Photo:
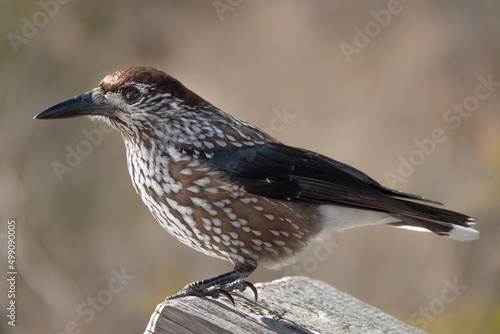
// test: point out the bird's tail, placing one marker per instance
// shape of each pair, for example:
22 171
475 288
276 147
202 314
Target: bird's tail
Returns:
424 217
404 214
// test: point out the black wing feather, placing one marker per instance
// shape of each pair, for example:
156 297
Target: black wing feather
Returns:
285 172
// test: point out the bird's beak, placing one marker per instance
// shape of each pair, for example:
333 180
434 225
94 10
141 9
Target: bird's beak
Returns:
80 105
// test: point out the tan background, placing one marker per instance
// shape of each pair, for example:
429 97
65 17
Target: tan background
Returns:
261 56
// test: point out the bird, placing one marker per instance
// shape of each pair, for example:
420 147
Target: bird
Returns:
230 190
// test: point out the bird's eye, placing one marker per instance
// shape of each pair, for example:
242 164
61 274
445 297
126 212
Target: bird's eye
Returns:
131 94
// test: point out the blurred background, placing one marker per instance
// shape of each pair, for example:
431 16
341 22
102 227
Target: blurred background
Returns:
368 83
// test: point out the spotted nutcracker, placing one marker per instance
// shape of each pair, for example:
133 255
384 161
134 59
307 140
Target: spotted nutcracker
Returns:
228 189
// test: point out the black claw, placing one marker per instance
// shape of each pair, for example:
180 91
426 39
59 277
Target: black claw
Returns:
227 294
252 287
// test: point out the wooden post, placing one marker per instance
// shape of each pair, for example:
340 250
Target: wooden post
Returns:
289 305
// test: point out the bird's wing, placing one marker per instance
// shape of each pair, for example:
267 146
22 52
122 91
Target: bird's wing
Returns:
293 174
288 173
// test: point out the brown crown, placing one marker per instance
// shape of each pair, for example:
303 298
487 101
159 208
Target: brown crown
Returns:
159 80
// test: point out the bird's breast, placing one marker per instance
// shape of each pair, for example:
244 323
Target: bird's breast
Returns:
197 205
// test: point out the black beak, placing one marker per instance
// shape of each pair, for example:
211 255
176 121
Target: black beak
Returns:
79 105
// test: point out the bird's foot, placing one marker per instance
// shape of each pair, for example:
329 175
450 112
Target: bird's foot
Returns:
214 288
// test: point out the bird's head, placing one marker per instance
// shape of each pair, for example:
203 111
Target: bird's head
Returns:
152 109
135 100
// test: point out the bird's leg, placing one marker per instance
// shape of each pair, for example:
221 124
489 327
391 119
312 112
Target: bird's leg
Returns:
215 286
